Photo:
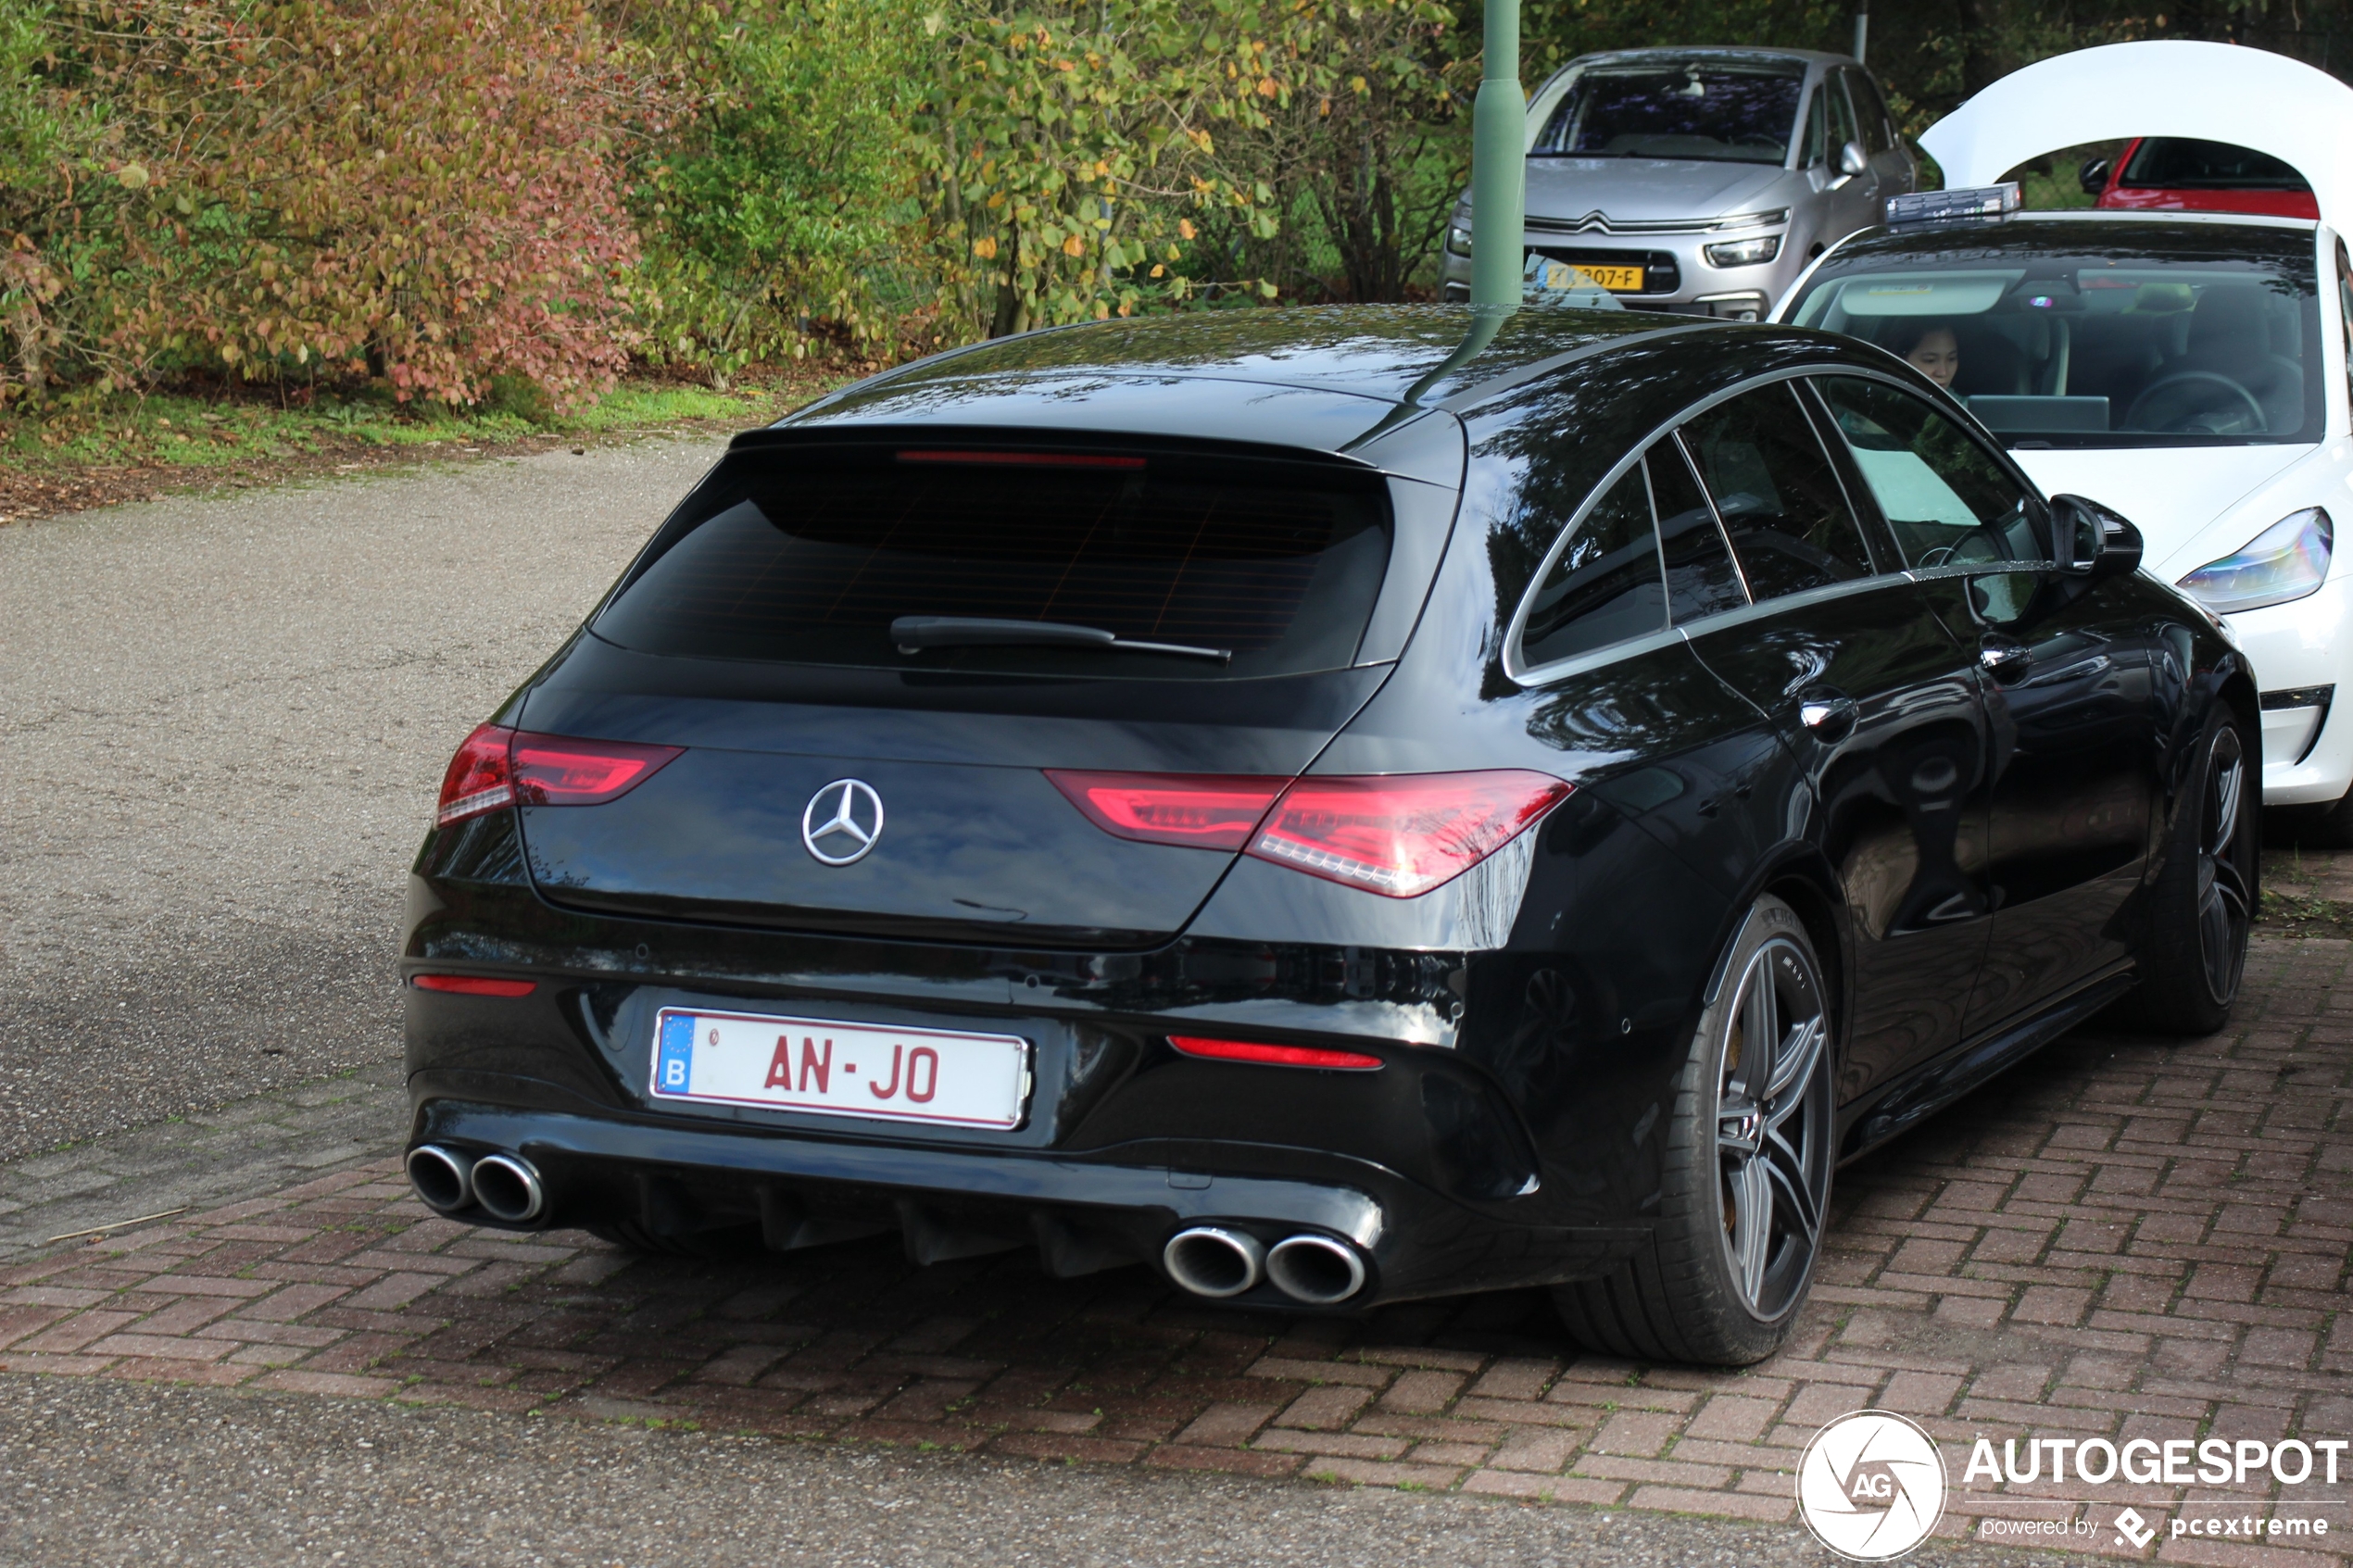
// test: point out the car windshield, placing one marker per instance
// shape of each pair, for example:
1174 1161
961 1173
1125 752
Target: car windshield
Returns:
2165 348
2176 163
1702 109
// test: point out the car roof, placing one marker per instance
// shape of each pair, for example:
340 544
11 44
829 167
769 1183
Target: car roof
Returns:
1322 378
1710 51
2150 233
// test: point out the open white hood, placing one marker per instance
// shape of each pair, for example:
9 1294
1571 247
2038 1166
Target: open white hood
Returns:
2210 92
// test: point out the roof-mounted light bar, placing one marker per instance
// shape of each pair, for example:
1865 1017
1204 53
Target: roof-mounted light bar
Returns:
1972 201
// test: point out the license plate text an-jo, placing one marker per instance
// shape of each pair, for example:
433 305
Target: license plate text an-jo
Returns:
831 1068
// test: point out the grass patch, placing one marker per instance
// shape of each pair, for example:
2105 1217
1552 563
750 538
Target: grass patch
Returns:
84 450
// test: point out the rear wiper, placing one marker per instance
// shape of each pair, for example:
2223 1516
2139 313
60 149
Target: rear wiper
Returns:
915 632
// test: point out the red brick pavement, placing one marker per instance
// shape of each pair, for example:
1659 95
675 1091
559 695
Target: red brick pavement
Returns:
2125 1238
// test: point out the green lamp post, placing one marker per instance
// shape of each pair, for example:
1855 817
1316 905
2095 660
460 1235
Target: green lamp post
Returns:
1499 163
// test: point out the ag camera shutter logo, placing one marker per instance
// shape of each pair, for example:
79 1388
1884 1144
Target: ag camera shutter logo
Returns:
1872 1486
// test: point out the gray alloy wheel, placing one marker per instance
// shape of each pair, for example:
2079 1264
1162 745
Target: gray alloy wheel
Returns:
1773 1139
1745 1169
2201 904
2223 901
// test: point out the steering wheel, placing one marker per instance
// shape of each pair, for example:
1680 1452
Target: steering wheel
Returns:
1936 557
2200 407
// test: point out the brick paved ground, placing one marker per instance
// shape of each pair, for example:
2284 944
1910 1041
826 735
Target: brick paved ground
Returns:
2127 1237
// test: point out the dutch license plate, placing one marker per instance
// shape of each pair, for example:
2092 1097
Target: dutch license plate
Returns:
834 1068
1617 280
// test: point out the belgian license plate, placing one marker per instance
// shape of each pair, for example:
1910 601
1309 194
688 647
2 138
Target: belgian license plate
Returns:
1617 280
830 1068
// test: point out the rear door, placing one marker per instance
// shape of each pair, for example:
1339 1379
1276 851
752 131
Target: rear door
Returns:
1875 699
835 779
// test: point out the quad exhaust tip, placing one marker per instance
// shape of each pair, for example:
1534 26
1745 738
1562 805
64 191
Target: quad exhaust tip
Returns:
1215 1262
1316 1268
508 1188
443 1178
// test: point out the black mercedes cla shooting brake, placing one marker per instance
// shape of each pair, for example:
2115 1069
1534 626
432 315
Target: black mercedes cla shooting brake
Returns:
1332 806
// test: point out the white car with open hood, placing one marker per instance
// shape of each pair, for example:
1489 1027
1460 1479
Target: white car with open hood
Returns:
2188 369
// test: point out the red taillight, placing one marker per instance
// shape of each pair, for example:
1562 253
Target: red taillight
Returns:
476 985
1273 1056
1202 811
1402 834
555 771
478 779
501 767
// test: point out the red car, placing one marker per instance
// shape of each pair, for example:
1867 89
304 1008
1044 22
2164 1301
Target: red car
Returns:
2177 174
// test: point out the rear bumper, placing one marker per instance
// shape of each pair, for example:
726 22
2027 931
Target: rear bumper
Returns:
681 1180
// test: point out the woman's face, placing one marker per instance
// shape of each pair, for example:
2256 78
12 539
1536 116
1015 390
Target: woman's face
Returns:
1937 357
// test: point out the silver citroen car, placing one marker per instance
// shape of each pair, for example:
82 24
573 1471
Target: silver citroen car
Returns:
1699 180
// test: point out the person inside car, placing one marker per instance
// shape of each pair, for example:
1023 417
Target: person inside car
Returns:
1930 346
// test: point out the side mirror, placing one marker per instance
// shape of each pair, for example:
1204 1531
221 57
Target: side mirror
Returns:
2093 176
2090 540
1852 160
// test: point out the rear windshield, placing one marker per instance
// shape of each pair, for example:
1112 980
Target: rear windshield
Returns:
2119 349
809 558
1709 111
2177 163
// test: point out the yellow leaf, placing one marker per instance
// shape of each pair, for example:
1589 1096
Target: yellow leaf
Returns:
134 176
984 247
1075 246
1266 88
1157 269
1185 228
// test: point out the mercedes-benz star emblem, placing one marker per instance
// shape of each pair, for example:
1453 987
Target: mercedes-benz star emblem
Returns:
842 820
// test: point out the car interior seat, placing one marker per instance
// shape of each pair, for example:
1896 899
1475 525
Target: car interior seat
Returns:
1991 363
2230 335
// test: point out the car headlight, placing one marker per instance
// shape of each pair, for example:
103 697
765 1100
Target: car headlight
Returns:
2285 562
1743 252
1457 240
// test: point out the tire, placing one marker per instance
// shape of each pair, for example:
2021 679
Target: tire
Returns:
1746 1170
2201 907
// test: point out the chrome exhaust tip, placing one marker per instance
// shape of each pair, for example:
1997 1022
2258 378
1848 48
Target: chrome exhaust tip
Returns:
443 1178
508 1188
1316 1268
1213 1262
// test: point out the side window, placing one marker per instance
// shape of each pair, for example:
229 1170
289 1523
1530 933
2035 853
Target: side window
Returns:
1879 133
1812 153
1605 585
1944 497
1777 493
2344 310
1700 576
1843 127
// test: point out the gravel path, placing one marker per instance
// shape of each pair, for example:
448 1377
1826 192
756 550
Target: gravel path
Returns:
225 722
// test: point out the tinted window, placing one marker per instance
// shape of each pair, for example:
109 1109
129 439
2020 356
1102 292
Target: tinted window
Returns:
1777 493
1843 127
807 559
1879 136
1605 587
1811 153
1700 577
1692 109
2187 342
2177 163
1944 497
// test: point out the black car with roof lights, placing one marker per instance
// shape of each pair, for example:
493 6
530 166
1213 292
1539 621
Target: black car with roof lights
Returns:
1334 807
